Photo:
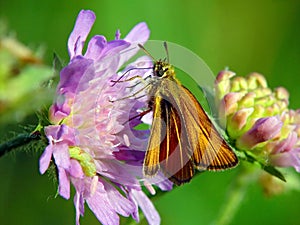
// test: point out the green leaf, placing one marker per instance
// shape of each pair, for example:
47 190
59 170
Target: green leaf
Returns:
273 171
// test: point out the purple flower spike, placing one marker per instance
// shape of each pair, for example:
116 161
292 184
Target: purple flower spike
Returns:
92 141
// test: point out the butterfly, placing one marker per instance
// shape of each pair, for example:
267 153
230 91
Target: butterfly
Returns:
183 139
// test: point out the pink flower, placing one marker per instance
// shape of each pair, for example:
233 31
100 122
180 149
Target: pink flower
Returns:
92 141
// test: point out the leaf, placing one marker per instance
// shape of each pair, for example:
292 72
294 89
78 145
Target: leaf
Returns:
273 171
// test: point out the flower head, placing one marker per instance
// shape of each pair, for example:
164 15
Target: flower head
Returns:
92 140
258 118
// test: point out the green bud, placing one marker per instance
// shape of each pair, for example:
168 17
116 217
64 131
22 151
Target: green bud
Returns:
238 84
231 102
262 92
258 112
265 101
236 124
256 80
281 93
248 100
222 83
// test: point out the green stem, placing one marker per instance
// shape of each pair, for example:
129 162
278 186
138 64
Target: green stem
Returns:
235 196
18 141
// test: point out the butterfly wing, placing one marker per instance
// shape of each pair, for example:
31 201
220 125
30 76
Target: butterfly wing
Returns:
151 161
210 151
183 137
175 153
166 148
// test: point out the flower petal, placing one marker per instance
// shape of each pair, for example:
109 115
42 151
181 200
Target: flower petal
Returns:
75 75
139 34
119 173
46 158
287 159
147 207
264 129
59 110
118 202
286 144
75 169
165 185
79 205
95 47
61 155
83 25
99 203
64 183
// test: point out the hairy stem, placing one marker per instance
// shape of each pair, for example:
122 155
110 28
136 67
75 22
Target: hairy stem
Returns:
20 140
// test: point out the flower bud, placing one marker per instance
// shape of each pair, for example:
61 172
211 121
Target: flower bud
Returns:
256 80
222 83
238 84
238 121
264 129
258 119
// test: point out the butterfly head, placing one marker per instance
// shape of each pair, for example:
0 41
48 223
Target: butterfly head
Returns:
163 69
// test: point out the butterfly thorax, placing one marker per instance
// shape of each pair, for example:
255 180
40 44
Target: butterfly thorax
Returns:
163 69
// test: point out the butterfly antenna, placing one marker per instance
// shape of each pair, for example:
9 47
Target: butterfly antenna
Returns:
167 51
148 53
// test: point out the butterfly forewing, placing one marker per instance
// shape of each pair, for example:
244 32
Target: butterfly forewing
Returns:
151 161
211 152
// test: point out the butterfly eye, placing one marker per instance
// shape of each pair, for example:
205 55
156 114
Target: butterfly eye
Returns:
161 72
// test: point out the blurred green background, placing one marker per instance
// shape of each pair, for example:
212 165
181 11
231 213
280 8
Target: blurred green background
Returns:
246 36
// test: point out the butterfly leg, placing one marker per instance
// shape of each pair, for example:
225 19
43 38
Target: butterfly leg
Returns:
142 80
119 79
132 95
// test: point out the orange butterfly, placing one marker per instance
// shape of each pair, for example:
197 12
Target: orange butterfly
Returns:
182 137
